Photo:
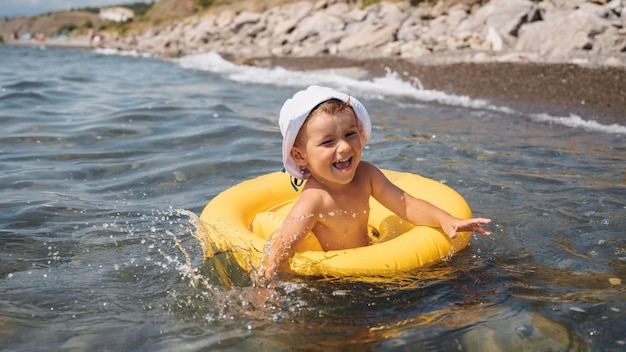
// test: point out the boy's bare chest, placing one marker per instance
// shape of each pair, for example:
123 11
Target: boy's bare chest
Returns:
351 203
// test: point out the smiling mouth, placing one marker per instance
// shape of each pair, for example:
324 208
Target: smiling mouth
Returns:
343 164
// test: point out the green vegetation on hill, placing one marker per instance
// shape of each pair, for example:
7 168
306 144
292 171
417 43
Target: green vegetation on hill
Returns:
140 8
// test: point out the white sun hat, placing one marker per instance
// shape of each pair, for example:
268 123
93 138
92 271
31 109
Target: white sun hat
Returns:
296 110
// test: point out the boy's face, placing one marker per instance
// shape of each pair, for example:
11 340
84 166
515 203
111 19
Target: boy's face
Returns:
329 146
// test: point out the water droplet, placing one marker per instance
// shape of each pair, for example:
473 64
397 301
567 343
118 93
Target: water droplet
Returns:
576 309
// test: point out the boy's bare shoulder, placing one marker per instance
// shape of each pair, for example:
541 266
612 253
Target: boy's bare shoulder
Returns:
369 170
312 196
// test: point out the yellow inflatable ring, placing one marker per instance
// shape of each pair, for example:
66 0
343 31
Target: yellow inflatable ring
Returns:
241 218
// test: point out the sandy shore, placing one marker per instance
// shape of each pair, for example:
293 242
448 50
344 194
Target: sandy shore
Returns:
560 89
72 43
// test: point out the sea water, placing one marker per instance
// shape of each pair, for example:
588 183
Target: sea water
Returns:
103 157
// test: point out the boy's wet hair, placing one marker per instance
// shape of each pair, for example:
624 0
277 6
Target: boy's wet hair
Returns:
331 107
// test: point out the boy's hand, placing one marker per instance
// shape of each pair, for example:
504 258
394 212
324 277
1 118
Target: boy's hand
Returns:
261 278
460 225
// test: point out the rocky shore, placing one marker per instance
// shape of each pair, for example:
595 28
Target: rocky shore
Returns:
581 31
562 57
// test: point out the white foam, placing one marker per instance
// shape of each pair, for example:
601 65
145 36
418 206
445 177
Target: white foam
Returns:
389 85
373 88
110 51
576 121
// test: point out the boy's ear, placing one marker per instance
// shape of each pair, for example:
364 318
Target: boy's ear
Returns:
298 156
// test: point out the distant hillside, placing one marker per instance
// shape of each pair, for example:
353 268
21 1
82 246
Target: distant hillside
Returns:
65 21
148 15
166 10
48 24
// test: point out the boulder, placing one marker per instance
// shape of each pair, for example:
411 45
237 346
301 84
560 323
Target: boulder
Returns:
564 33
413 50
288 16
245 18
371 36
504 16
410 28
225 18
609 42
390 14
314 25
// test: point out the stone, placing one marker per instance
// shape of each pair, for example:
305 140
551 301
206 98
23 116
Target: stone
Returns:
409 29
288 16
510 15
225 18
314 25
243 19
354 15
563 34
392 49
370 36
609 42
456 15
390 14
613 61
494 39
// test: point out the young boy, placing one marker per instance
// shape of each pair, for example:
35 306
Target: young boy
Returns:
324 132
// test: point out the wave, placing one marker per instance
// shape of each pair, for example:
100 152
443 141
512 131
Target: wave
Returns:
576 121
110 51
391 85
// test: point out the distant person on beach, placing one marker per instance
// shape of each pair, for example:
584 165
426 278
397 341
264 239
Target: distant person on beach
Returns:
95 39
324 132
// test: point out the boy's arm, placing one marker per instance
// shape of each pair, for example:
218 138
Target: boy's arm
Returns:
279 247
418 211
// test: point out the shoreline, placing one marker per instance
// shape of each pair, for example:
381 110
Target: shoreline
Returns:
563 58
559 89
593 92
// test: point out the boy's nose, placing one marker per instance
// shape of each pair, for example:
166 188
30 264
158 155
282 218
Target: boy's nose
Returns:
343 146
